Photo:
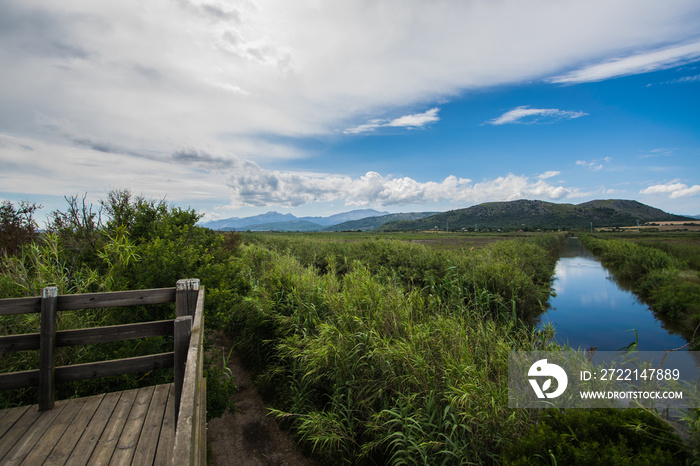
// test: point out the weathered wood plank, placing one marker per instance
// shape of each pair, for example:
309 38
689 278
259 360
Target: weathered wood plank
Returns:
167 432
87 336
64 447
19 379
104 449
126 446
93 370
13 435
90 370
148 440
85 447
187 291
182 336
10 417
47 348
31 436
48 440
14 306
186 444
116 299
203 423
24 342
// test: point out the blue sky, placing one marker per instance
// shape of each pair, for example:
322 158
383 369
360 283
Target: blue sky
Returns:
236 108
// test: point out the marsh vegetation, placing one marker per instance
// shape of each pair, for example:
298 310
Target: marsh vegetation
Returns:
369 348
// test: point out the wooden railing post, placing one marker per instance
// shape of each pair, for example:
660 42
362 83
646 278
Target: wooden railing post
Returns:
47 348
183 331
186 296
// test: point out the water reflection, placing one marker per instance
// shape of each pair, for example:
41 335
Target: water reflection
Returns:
591 309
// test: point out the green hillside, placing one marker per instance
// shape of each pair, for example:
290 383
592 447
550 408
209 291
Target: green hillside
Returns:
526 214
372 223
293 225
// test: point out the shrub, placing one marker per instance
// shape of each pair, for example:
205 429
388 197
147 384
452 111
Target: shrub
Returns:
17 226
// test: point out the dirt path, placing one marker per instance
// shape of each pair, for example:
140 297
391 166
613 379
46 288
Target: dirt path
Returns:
249 437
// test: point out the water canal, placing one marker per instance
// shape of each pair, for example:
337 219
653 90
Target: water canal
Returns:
592 309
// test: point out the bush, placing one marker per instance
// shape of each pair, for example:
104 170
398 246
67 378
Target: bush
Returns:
17 226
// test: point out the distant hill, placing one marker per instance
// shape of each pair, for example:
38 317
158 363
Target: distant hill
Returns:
292 225
372 223
288 222
344 217
235 223
539 215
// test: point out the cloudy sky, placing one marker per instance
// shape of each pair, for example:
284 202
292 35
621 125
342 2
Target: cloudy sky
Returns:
238 107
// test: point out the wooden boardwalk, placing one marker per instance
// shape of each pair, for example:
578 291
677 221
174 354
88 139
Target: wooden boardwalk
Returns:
163 424
131 427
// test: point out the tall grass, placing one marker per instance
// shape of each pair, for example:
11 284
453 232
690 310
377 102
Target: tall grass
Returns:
382 351
41 264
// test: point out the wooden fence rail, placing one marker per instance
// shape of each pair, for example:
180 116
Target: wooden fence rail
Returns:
186 357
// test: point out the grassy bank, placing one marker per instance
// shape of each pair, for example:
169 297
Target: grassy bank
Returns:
663 270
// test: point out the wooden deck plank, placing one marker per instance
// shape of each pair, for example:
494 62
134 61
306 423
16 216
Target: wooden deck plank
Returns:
10 417
126 446
166 440
90 438
148 441
61 452
23 446
48 440
104 449
13 435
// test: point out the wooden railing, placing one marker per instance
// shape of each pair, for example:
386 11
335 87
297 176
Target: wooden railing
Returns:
186 357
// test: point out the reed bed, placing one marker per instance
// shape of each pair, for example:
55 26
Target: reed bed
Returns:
382 351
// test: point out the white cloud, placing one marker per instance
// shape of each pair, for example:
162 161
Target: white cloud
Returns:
660 152
595 165
35 167
162 75
118 91
548 174
643 62
252 185
525 114
674 189
417 120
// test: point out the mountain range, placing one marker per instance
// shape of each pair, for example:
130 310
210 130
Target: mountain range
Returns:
527 214
520 214
289 222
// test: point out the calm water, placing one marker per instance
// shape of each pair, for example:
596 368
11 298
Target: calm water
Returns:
591 309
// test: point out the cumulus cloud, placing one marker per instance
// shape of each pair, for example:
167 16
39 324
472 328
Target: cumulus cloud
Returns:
252 185
674 189
525 114
416 120
643 62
